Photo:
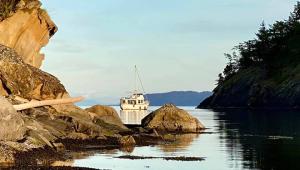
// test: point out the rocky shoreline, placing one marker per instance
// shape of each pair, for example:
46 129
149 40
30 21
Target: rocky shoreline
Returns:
49 157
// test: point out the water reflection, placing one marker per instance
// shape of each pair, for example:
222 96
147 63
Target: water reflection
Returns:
179 142
133 117
240 140
265 139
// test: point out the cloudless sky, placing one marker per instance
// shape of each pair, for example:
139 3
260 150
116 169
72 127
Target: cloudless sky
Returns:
176 44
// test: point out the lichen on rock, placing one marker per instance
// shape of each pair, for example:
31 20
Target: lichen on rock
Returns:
24 80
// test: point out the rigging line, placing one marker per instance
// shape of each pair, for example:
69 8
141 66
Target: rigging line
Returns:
138 75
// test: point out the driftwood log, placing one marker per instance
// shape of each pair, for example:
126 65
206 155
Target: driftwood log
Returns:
33 104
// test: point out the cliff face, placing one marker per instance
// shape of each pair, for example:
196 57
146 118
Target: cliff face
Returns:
27 29
252 89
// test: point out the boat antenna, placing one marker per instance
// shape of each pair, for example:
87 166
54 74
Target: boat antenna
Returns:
138 76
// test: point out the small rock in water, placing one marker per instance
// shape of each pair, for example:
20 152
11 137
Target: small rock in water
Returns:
127 141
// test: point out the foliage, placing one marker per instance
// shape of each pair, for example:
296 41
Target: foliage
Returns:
6 7
273 49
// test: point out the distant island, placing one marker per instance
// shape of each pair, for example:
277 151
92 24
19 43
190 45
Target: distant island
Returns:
179 98
263 72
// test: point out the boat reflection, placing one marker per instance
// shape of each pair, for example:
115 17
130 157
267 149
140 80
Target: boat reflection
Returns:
133 117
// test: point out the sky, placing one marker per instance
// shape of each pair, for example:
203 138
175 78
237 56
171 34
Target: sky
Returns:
176 44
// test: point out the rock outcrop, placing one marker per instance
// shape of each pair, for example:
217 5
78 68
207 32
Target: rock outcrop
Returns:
27 29
169 118
106 113
24 80
250 88
20 131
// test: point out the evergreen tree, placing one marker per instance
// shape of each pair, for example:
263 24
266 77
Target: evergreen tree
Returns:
273 48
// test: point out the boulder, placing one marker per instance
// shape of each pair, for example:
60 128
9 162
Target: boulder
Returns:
16 127
11 123
169 118
126 141
107 114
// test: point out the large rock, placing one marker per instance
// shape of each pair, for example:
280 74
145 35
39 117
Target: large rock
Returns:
27 29
24 80
11 123
16 127
169 118
108 114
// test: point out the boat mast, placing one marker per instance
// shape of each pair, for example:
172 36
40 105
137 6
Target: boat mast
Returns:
138 78
135 80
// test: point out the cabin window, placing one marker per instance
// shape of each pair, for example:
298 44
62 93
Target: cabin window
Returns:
131 102
124 101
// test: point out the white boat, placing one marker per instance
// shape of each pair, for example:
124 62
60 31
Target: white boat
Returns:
136 101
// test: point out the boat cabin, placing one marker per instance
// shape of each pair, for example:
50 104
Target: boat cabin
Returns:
134 102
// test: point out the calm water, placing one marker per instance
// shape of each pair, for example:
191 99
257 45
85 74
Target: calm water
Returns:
240 140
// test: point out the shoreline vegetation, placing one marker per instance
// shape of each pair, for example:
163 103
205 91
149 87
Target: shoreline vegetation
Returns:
262 72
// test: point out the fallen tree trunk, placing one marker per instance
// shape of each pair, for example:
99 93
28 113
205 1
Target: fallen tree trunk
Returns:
33 104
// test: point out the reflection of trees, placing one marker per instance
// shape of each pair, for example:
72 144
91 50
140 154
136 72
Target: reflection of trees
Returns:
177 142
252 135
